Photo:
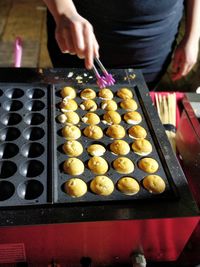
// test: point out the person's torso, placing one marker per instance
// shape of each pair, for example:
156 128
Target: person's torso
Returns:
137 11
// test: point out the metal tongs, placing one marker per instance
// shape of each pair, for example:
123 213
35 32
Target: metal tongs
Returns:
106 79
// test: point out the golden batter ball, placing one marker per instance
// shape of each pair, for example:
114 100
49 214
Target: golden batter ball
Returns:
73 166
96 150
88 105
68 92
142 147
154 184
106 94
123 165
120 147
71 117
128 186
129 104
72 148
88 94
102 185
68 104
109 105
61 118
93 132
137 132
125 93
71 132
91 118
133 117
116 131
111 117
75 187
148 165
98 165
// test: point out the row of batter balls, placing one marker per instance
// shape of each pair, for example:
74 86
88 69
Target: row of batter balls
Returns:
104 186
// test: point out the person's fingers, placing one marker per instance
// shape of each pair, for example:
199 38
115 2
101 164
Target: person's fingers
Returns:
64 40
89 52
187 68
69 41
61 41
182 70
78 39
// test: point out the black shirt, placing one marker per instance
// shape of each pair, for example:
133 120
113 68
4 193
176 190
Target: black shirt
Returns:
134 33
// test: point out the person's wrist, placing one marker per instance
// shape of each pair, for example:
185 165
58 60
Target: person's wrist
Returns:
192 37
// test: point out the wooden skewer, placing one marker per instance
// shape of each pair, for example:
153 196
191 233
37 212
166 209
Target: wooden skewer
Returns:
166 107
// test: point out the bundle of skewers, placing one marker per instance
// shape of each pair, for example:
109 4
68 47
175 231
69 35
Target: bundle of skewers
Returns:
166 108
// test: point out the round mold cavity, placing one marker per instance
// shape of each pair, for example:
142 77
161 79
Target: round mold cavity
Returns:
8 150
1 92
12 105
35 93
11 119
31 189
31 168
34 119
9 134
14 93
7 169
33 133
32 150
7 189
34 105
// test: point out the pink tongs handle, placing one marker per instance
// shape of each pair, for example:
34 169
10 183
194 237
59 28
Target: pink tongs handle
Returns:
18 52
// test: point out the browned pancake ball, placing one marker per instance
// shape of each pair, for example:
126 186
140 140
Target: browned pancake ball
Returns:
123 165
96 150
88 105
71 117
71 132
137 132
111 117
128 186
133 117
75 187
93 132
116 131
102 185
72 148
61 118
125 93
129 104
148 165
91 118
73 166
142 147
120 147
88 94
154 184
98 165
109 105
106 94
68 104
68 92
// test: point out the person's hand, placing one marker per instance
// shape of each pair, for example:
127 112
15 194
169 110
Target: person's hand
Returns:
184 58
75 35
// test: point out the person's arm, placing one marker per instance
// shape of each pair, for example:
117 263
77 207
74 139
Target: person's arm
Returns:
186 53
74 34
